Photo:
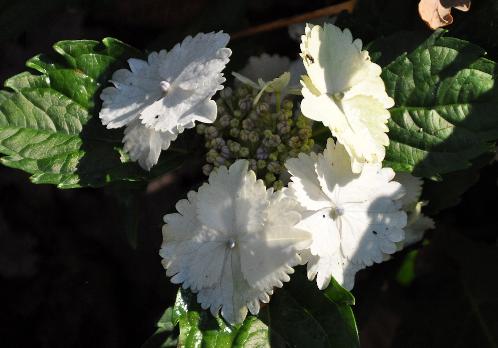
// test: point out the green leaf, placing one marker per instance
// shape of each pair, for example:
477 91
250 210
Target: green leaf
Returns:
446 102
49 124
299 315
200 328
303 316
164 337
406 272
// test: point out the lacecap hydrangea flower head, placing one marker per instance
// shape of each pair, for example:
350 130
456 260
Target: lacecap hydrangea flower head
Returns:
344 90
232 242
159 98
354 218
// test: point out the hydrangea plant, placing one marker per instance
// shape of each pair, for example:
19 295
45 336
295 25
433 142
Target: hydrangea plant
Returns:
314 165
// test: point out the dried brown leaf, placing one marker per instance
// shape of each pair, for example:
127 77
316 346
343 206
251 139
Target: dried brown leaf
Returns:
437 13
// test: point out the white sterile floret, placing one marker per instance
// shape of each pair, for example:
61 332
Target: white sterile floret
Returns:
354 219
344 91
417 223
264 68
159 98
232 242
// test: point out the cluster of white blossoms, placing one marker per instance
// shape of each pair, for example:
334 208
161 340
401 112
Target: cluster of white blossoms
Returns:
161 97
233 241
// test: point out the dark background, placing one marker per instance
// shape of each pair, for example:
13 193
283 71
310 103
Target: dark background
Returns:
68 276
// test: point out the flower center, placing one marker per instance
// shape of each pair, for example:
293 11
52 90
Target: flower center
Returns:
336 212
165 86
338 96
231 243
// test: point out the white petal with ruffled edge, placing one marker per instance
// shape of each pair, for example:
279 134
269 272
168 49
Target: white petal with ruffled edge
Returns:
191 73
418 223
144 145
233 242
357 224
336 64
344 90
159 98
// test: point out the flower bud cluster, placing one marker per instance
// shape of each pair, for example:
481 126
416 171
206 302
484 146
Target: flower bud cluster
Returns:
266 134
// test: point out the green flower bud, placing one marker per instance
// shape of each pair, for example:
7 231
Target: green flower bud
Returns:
200 128
211 156
304 133
234 123
274 167
261 164
253 137
234 132
301 122
233 146
247 124
206 169
286 114
283 128
287 104
262 108
222 110
294 153
224 120
278 185
245 104
211 132
253 116
305 148
273 156
220 160
242 91
295 142
217 143
244 135
269 178
267 133
281 148
244 152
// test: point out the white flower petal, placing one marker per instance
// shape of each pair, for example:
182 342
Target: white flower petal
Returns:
416 229
266 67
144 145
268 254
169 92
326 267
271 69
192 71
306 187
413 188
326 237
336 64
344 90
216 204
359 123
233 242
362 221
